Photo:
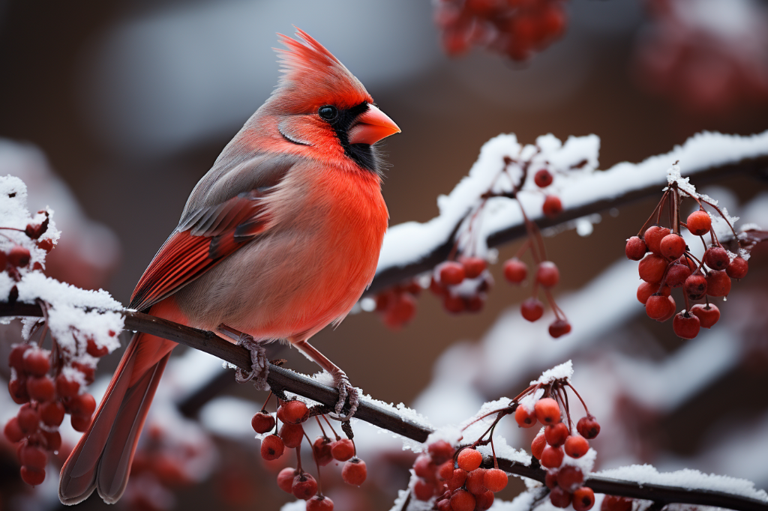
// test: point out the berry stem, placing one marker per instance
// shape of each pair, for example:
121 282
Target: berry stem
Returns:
578 396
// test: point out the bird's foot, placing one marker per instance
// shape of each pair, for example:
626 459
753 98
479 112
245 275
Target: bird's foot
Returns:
259 362
346 390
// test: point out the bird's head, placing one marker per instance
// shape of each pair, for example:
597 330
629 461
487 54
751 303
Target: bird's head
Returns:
321 104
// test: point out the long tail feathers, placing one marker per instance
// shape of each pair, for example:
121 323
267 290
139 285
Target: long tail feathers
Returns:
102 458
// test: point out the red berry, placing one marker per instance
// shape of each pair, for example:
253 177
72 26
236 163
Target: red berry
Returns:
16 358
321 450
484 501
425 468
695 286
402 309
614 503
437 287
18 256
423 490
550 479
46 244
525 418
343 449
457 480
686 325
445 472
718 283
635 248
17 387
454 303
32 476
569 478
708 314
653 236
304 486
87 370
559 327
82 404
495 480
716 258
292 435
473 266
547 274
474 303
13 431
553 206
262 422
538 445
41 388
469 459
52 413
475 483
652 268
52 439
272 447
552 457
645 290
737 269
65 387
576 446
29 419
80 423
462 500
515 270
354 472
441 451
672 246
96 350
451 273
556 434
583 499
658 307
559 497
542 178
532 309
285 479
294 412
588 427
37 362
319 503
699 223
677 274
33 457
547 411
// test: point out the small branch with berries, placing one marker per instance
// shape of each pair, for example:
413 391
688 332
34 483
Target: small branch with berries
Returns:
282 380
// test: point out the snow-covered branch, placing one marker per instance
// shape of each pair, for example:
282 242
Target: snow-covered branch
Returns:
412 248
661 489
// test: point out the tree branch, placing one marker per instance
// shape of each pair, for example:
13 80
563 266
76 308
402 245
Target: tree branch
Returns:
284 379
389 276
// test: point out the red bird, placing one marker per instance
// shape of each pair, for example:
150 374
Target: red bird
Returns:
279 239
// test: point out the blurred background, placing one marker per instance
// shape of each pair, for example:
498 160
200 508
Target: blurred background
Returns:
130 102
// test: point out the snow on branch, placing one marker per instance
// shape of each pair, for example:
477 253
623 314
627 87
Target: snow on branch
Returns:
412 247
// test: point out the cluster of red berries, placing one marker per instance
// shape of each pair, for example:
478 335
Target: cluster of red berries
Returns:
666 262
681 47
45 400
18 257
462 285
515 28
297 481
456 479
397 305
553 443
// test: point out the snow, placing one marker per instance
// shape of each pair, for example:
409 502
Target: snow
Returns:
411 241
563 371
686 478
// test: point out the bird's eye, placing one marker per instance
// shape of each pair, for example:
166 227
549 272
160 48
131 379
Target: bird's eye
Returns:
328 112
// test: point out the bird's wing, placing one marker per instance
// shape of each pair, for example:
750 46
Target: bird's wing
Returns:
207 233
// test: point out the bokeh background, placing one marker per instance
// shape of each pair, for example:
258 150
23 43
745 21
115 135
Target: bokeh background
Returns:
131 102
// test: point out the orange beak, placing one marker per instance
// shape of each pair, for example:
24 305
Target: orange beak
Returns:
372 126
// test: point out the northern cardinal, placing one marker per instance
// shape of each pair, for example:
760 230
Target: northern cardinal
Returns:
279 239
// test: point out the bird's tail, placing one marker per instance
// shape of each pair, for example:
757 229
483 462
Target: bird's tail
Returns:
102 459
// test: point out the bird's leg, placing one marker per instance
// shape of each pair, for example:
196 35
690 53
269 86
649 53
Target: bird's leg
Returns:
259 362
339 377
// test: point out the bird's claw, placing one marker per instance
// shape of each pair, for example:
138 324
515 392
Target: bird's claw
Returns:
259 363
346 390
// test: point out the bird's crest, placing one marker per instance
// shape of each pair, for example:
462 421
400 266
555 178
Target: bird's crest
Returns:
313 77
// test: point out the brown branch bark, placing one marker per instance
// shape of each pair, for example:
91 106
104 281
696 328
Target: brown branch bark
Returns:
388 277
281 379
